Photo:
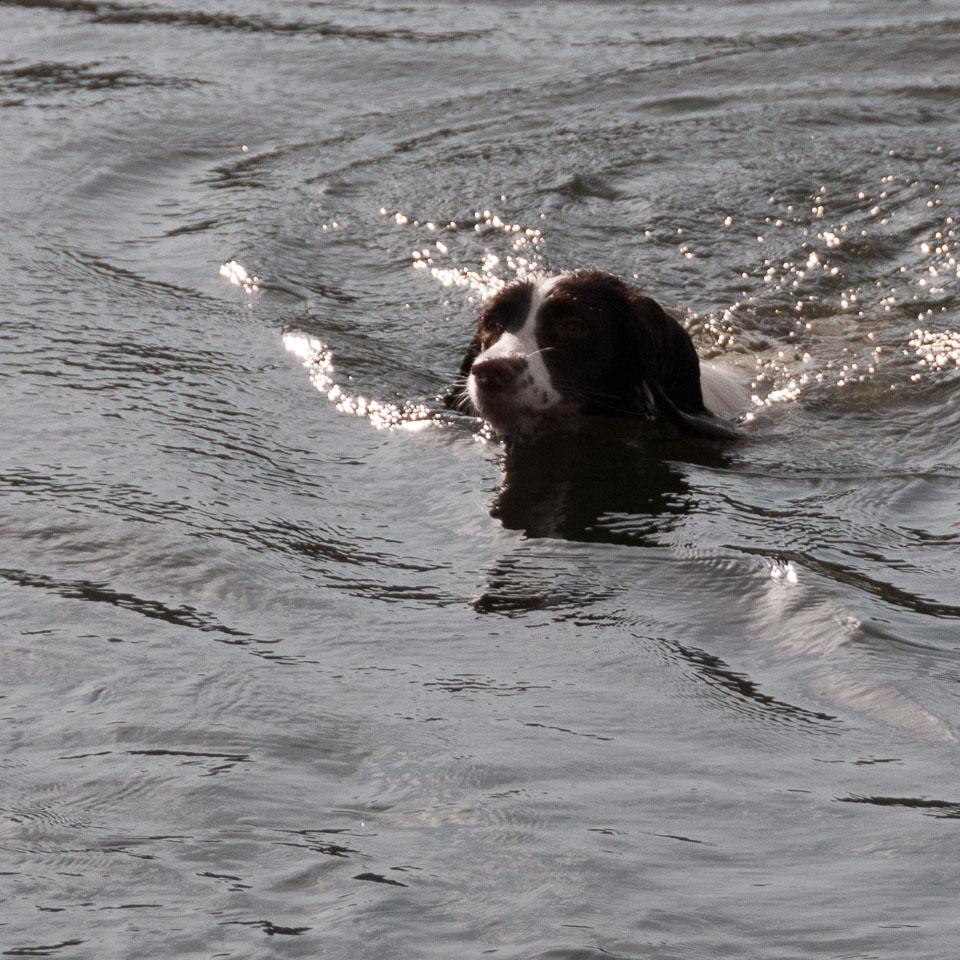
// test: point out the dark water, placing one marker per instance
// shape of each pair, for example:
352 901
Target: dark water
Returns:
322 674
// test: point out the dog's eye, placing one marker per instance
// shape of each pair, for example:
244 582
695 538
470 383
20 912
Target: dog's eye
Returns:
570 325
491 322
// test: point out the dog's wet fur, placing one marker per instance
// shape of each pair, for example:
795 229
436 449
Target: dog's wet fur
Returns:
549 351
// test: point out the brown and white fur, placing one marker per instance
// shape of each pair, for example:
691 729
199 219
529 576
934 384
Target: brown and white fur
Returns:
584 343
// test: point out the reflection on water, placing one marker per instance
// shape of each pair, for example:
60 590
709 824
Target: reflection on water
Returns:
605 481
712 671
521 583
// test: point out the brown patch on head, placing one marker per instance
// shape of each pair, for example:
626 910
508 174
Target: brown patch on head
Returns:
586 331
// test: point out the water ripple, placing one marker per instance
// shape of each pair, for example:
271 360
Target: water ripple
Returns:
107 12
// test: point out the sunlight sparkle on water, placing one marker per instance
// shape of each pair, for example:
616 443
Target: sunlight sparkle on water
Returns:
238 276
808 287
786 572
517 260
318 360
937 350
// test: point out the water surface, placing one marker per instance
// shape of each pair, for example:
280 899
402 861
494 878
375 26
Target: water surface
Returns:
297 664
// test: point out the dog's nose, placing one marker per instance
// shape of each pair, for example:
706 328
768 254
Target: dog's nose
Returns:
498 373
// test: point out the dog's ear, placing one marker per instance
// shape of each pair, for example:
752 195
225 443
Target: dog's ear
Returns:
670 370
705 424
456 397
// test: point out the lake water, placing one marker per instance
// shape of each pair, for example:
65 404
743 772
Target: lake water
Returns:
297 664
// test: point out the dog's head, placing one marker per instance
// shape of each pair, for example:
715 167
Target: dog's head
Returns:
547 351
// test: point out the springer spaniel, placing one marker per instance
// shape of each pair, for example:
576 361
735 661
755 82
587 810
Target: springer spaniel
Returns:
585 343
